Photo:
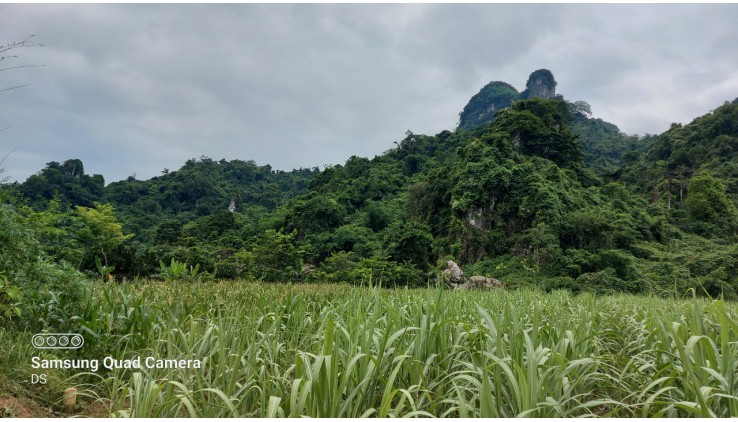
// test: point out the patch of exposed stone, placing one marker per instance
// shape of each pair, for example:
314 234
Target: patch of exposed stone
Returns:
453 277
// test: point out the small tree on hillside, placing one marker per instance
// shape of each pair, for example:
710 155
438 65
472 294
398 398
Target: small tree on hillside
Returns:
98 231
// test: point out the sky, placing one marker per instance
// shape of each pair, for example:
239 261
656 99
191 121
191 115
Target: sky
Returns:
134 89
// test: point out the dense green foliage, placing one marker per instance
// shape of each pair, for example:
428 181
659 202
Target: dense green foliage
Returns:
709 143
603 146
29 278
200 188
336 351
691 171
539 127
482 107
66 182
543 194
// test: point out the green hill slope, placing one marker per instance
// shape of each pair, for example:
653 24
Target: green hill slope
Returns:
534 196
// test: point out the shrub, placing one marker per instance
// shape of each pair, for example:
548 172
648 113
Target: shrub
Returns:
409 242
237 266
344 267
10 299
607 281
278 256
180 271
30 278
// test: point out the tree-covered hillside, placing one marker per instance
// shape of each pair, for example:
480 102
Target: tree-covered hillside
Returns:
692 170
482 107
538 193
604 146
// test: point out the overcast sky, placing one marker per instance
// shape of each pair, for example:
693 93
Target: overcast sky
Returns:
134 89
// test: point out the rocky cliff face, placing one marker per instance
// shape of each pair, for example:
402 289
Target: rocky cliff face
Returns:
541 84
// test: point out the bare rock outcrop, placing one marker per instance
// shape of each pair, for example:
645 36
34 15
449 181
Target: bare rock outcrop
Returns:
541 84
452 276
481 282
452 273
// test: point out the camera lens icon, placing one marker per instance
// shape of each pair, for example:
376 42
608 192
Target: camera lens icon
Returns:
57 341
77 341
38 341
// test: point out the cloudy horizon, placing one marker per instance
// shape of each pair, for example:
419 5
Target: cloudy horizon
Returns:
133 89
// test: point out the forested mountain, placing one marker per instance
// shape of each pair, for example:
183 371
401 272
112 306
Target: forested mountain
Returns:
603 145
530 188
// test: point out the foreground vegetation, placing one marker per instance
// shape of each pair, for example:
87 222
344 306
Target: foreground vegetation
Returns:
341 351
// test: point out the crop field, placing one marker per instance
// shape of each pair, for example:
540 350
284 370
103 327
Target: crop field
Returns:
341 351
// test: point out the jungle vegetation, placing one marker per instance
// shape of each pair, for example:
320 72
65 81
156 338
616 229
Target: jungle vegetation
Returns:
204 262
531 191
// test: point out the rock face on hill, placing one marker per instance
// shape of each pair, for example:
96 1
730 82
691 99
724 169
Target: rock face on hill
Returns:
541 84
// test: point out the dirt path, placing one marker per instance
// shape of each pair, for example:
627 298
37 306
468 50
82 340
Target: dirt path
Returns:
17 402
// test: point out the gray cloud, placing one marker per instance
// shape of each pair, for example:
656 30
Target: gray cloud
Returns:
137 88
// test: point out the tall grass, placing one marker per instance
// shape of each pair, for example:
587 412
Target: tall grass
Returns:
339 351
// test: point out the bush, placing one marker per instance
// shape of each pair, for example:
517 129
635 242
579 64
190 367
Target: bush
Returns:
716 285
618 260
10 299
30 278
557 283
409 242
344 267
709 205
607 281
237 266
181 271
278 256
